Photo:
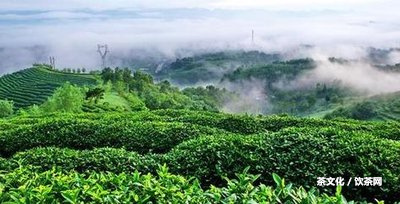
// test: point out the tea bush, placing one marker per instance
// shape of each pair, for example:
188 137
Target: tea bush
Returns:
232 123
25 186
245 124
208 146
300 155
99 159
157 137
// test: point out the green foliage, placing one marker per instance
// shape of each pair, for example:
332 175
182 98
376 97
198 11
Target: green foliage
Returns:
384 107
359 111
134 102
209 146
95 94
98 159
67 98
300 155
210 96
211 66
142 137
24 185
364 111
272 72
162 95
6 108
285 93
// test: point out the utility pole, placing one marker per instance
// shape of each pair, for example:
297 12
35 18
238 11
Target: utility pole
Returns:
52 62
103 51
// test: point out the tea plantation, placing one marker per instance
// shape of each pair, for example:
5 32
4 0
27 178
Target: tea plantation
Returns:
35 85
180 156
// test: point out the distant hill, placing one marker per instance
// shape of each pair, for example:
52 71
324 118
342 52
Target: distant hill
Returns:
380 107
211 66
36 84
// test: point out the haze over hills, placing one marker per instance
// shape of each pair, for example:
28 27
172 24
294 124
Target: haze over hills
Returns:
263 83
300 87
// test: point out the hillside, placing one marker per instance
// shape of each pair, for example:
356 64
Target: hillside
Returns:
384 107
120 90
36 84
130 139
278 82
211 67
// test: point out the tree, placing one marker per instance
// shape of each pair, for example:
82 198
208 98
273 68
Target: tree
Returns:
6 108
165 86
68 98
78 71
141 81
118 74
127 75
83 70
107 86
134 102
120 86
141 76
364 111
107 74
95 94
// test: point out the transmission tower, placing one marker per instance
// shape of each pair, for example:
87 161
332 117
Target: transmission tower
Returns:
103 51
52 62
252 37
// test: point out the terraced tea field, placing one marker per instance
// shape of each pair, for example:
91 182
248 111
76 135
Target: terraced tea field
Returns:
35 85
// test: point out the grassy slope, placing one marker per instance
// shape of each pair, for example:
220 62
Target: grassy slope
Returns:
115 100
35 85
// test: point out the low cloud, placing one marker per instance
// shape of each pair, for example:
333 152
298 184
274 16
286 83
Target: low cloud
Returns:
358 75
72 35
394 57
252 98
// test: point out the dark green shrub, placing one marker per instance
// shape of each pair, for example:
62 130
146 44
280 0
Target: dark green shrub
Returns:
360 111
157 137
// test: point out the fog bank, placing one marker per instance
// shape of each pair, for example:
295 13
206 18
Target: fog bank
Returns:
71 34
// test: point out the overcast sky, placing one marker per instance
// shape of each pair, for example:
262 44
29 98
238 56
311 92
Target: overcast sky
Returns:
208 4
32 30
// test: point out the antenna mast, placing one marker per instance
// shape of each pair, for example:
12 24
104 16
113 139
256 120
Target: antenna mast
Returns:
103 51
